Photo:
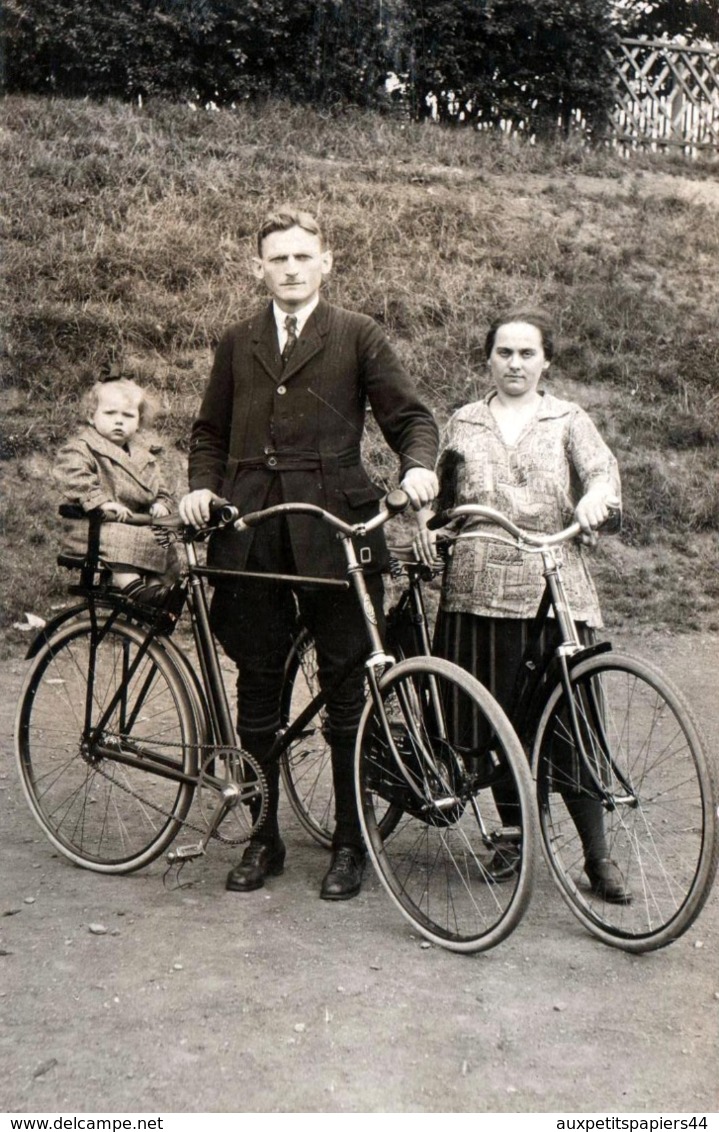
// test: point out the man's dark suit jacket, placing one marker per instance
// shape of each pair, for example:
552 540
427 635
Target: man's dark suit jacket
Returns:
304 424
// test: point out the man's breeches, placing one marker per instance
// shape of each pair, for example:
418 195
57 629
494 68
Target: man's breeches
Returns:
255 620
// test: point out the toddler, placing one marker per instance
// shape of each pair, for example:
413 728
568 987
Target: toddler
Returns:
108 467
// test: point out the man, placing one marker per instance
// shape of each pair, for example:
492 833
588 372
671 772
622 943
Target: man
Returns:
281 421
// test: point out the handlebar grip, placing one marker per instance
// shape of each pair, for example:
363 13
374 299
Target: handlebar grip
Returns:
612 525
396 501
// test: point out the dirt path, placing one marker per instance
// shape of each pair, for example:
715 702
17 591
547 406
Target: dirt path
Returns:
198 1000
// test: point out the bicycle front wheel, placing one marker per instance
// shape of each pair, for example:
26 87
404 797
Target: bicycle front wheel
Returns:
656 792
459 860
110 800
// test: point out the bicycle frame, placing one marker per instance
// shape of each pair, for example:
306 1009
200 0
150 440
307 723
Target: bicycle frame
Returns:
533 679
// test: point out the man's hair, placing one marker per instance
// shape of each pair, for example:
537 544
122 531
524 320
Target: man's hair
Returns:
284 218
144 402
534 317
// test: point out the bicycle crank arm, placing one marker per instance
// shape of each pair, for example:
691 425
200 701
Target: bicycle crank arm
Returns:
231 795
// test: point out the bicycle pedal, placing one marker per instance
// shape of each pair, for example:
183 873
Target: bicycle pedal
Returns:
186 853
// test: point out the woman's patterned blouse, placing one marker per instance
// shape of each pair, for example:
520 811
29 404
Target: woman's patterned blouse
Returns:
537 483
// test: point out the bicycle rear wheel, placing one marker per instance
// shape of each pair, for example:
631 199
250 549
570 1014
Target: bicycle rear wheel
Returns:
111 802
306 765
438 749
660 805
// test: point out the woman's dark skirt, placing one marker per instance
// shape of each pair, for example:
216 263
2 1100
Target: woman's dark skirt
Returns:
491 649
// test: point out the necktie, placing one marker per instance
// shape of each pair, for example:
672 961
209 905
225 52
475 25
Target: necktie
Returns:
291 328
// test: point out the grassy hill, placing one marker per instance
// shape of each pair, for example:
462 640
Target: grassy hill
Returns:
127 237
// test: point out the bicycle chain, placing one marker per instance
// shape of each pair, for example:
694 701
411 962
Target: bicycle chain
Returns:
184 822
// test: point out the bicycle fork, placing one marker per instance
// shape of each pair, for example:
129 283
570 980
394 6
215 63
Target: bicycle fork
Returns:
594 710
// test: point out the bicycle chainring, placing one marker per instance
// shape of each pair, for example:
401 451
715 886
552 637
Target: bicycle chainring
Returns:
232 774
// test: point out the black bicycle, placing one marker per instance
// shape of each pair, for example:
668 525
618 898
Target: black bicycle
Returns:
608 726
117 733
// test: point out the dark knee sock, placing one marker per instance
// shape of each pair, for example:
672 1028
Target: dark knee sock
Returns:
347 824
259 744
588 816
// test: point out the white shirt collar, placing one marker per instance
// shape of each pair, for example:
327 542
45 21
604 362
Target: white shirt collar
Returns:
301 315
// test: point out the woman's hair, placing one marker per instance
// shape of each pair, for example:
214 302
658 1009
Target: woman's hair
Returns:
145 403
533 317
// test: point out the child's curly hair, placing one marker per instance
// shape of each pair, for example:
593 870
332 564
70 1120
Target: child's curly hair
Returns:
146 403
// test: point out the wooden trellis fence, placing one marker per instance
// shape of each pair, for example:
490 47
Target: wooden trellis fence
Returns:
668 96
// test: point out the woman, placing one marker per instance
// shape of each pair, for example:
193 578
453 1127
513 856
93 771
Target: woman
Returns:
541 461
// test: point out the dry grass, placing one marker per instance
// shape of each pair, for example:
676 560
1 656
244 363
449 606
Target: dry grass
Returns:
127 234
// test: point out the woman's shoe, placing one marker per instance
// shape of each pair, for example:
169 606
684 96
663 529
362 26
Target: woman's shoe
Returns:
606 880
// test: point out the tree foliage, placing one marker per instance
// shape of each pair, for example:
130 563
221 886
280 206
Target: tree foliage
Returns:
533 61
215 50
695 19
536 62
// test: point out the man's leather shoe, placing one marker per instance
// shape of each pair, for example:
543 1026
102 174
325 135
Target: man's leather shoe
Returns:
260 859
344 877
606 880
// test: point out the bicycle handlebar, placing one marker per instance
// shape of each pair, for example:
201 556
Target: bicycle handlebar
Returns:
489 515
395 502
223 513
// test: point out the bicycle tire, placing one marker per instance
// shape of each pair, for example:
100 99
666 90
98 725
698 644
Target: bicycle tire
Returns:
306 765
435 863
99 812
666 844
